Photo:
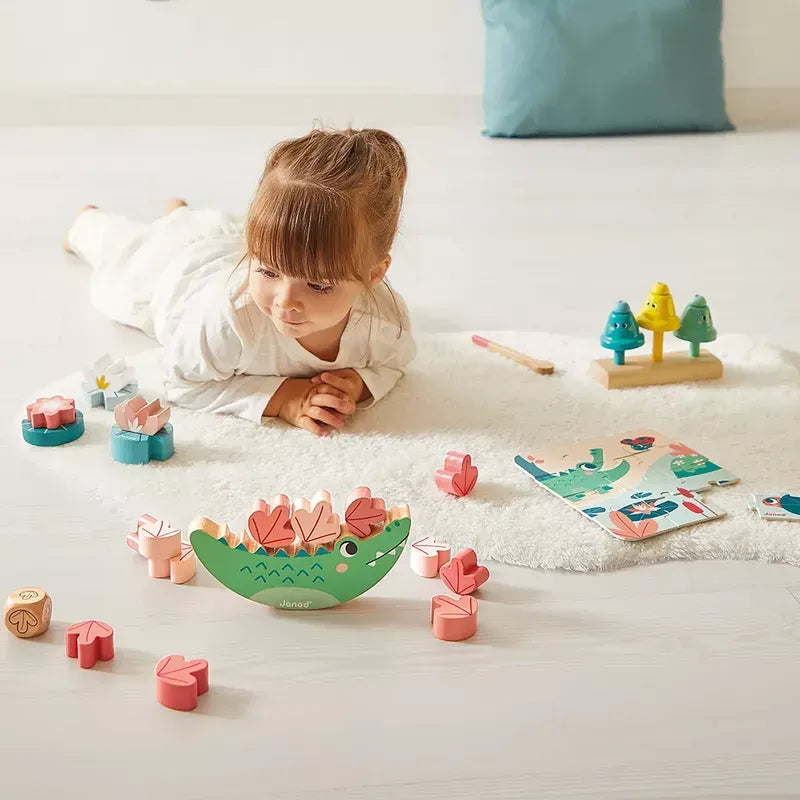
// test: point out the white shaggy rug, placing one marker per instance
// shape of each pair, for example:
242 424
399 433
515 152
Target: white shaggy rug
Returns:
458 396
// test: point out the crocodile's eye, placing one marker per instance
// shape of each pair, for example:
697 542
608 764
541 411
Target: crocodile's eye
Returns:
587 466
771 501
348 549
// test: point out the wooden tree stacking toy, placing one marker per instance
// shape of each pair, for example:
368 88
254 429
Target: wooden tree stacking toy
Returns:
657 315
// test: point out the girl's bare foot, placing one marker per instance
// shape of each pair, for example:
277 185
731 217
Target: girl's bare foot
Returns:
65 242
173 203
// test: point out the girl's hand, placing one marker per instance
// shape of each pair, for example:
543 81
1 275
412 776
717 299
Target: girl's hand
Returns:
306 405
346 381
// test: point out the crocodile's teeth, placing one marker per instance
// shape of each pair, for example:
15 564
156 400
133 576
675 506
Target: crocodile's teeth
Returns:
378 554
392 551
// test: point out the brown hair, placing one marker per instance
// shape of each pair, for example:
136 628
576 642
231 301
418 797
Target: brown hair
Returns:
328 204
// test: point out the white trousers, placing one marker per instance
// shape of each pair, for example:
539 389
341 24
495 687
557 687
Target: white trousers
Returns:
143 272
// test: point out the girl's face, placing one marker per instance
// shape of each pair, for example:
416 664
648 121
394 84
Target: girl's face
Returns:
298 307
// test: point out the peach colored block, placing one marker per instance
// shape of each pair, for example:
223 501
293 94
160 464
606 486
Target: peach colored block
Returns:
159 542
428 556
365 514
27 612
51 412
459 476
316 525
90 641
454 618
179 682
182 568
132 540
139 416
461 574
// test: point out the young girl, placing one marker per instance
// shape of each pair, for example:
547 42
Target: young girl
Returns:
303 326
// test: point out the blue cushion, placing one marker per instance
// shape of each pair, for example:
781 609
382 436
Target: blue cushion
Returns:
582 67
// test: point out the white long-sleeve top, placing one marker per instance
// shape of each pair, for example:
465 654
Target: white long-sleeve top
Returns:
225 356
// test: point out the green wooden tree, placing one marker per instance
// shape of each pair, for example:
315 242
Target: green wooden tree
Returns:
696 325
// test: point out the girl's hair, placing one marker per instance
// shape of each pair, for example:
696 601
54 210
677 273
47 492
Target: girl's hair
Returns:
328 204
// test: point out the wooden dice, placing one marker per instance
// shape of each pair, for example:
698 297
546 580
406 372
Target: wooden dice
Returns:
27 612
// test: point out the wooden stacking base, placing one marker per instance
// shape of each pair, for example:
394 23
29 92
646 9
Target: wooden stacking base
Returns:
642 371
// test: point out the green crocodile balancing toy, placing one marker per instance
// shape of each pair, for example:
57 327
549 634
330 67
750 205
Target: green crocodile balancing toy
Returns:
299 556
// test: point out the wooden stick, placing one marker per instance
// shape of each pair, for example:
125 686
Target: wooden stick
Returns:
540 367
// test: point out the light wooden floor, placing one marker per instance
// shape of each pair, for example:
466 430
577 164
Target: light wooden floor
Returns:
672 681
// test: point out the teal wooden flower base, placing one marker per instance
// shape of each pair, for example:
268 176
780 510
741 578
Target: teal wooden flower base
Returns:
128 447
52 437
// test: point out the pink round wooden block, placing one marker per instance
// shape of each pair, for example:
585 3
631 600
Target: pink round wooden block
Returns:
179 682
454 619
182 568
90 641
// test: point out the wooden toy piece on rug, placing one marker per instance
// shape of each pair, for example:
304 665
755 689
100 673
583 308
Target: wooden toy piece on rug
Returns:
299 555
179 682
454 619
108 382
658 315
634 485
428 556
52 421
462 574
90 641
538 366
777 506
160 543
142 432
459 476
27 612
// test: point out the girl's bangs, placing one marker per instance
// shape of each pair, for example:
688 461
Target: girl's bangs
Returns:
307 232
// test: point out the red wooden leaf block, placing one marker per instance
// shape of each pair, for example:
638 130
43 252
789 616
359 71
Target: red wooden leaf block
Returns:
459 476
461 574
454 618
364 513
90 641
271 527
179 682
